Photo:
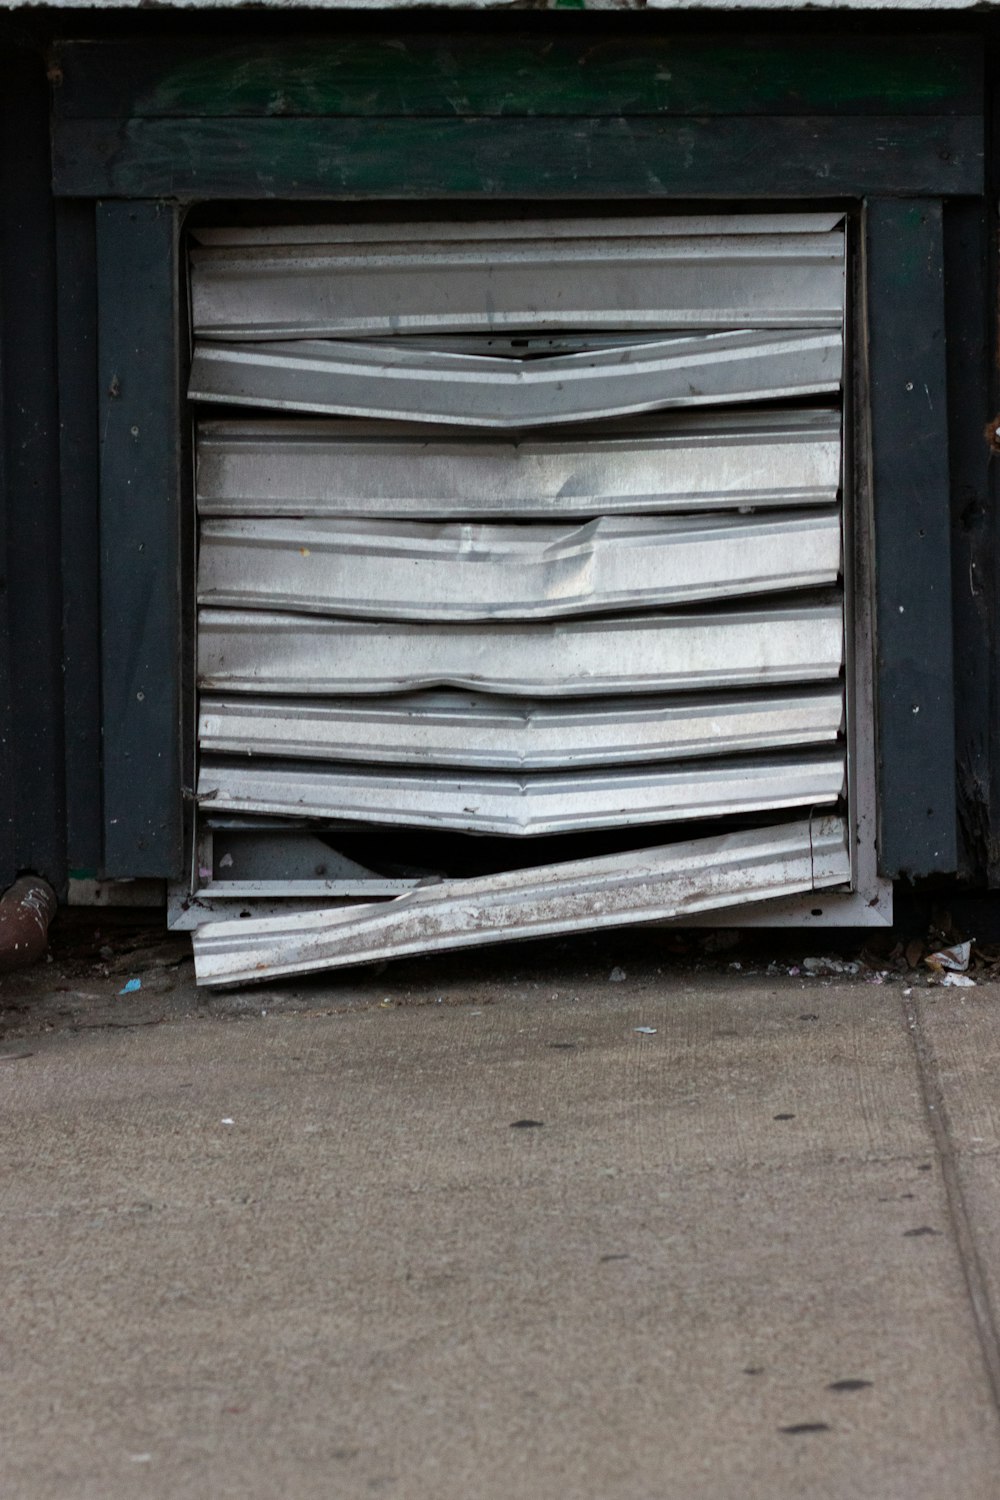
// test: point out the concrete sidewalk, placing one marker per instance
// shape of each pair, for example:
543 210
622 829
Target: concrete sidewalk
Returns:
490 1242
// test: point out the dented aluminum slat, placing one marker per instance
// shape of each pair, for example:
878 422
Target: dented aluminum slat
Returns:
644 885
496 231
415 570
525 806
253 651
457 729
692 461
368 284
392 381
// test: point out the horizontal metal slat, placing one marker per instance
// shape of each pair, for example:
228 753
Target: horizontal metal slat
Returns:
528 279
528 806
399 383
644 885
258 652
414 570
329 468
495 231
456 729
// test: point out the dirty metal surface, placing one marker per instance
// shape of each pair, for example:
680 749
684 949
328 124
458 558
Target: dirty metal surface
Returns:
469 278
525 806
607 891
460 729
691 461
253 651
414 570
400 383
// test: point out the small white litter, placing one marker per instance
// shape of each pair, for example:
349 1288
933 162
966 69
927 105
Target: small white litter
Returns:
956 958
958 980
645 1030
617 975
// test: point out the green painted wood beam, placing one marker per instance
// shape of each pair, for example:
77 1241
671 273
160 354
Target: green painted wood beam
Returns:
490 71
296 159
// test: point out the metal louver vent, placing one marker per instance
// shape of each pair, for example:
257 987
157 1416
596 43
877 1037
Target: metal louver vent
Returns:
657 464
614 891
538 564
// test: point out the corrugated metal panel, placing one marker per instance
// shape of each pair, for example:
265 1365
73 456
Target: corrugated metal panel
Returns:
455 729
393 381
611 891
524 806
697 461
590 275
257 652
413 570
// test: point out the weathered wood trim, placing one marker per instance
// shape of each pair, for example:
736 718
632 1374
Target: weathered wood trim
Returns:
766 157
968 297
915 708
527 70
76 292
31 715
139 423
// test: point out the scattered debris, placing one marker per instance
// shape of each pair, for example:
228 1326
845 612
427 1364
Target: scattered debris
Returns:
823 966
963 981
645 1030
226 1121
954 959
617 975
526 1124
130 986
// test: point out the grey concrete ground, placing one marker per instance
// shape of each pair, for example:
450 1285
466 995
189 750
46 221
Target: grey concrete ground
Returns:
302 1242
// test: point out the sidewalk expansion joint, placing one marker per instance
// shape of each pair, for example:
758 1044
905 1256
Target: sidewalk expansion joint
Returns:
936 1109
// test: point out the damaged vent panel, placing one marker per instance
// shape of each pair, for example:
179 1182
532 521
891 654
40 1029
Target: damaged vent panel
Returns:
412 570
398 383
711 272
533 805
645 885
510 734
547 541
657 464
256 651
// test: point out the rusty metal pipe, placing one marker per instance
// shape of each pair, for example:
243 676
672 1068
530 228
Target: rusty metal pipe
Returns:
26 909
